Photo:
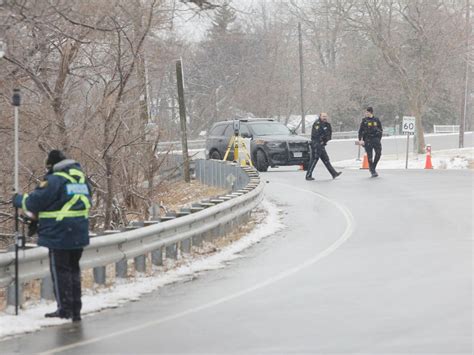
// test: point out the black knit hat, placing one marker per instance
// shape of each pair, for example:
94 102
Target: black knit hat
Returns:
54 157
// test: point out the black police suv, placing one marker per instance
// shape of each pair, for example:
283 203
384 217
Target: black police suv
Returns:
271 143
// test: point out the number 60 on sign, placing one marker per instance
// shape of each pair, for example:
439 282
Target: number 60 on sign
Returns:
408 124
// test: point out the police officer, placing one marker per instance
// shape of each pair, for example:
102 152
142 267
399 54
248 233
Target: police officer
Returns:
321 133
370 135
61 203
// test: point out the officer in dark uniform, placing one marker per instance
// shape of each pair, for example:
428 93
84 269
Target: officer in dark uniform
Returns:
61 204
370 135
321 134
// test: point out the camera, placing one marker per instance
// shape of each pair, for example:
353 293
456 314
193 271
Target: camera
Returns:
236 127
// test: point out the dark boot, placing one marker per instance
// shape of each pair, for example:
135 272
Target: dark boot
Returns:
337 174
58 314
310 170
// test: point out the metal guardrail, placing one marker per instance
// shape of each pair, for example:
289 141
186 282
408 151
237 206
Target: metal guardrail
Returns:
207 219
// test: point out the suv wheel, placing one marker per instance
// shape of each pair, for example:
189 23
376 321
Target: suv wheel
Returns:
261 161
215 155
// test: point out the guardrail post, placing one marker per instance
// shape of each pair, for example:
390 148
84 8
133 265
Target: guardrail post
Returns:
245 217
99 275
140 263
221 230
172 251
240 220
186 245
11 294
228 227
121 269
47 292
207 236
232 224
197 240
157 257
212 234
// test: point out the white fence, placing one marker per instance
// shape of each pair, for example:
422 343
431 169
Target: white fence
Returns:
446 129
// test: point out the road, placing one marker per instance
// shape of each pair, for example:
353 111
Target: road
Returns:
364 266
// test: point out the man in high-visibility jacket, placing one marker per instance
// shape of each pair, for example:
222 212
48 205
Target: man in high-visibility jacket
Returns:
61 204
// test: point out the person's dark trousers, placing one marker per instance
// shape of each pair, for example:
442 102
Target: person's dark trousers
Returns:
373 145
66 275
318 151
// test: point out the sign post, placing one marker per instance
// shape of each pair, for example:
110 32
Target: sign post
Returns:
19 239
408 127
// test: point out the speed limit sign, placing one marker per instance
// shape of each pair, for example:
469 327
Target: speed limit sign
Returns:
408 124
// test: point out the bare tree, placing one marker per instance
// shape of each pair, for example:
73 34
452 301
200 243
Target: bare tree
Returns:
413 37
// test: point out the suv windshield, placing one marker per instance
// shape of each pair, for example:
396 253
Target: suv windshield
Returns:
270 129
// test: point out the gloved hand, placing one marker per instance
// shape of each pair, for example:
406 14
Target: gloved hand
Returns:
32 228
32 225
16 200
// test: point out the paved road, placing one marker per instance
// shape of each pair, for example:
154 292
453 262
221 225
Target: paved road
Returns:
364 266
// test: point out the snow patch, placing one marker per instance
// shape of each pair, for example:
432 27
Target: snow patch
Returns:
442 159
32 318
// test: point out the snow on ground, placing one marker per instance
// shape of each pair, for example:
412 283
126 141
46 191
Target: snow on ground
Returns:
32 318
441 159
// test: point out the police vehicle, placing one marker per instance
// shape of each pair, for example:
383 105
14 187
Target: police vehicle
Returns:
272 144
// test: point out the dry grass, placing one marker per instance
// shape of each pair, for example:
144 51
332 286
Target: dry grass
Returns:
176 195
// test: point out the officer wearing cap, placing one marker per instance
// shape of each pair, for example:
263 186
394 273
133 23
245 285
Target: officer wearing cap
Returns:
61 204
321 134
370 136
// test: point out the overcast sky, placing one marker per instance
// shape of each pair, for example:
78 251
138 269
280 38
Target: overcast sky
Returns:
193 24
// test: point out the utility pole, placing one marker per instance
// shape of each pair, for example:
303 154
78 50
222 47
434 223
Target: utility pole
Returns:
462 124
300 40
182 119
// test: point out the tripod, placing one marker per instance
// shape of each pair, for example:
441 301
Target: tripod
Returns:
238 143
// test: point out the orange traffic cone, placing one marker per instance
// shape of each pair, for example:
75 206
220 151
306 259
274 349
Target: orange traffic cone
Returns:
365 162
428 164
